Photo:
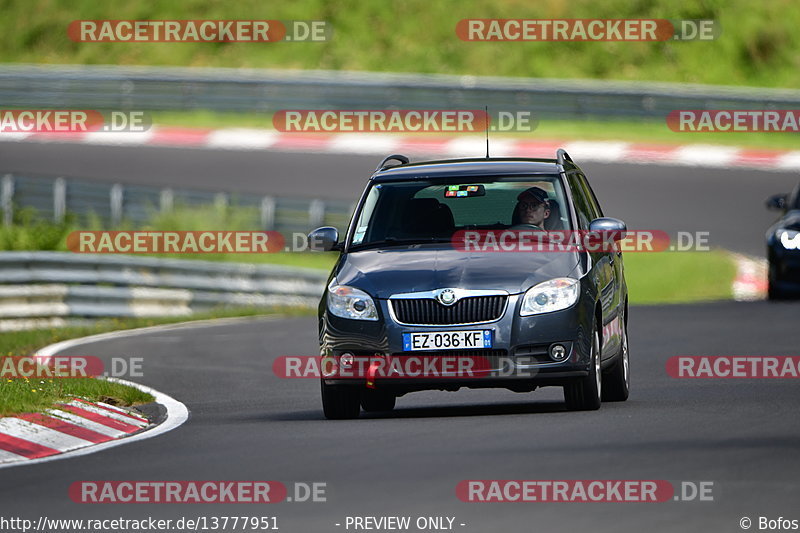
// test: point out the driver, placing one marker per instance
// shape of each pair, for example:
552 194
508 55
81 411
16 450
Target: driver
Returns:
532 207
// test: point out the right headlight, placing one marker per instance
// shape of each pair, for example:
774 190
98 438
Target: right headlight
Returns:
349 302
551 295
789 238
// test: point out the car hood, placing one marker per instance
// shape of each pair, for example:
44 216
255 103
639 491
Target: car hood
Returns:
385 272
791 220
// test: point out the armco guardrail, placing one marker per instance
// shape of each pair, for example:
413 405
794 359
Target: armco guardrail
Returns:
47 285
153 88
112 204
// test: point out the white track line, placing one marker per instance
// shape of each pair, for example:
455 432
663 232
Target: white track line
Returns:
41 435
8 456
86 423
107 414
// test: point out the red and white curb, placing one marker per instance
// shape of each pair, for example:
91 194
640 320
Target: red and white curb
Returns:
78 427
70 426
695 155
751 278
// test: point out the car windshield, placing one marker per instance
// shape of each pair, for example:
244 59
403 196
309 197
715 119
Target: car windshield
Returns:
420 211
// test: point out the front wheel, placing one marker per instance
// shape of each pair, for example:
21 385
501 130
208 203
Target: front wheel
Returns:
773 292
585 393
617 382
340 402
376 401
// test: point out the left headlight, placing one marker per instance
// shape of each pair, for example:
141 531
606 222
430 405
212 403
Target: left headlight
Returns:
349 302
548 296
789 238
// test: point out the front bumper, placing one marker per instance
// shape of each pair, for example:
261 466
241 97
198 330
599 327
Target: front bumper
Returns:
784 268
519 357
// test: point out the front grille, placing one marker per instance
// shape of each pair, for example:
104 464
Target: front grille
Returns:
470 310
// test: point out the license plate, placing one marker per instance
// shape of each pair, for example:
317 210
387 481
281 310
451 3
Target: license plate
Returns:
447 340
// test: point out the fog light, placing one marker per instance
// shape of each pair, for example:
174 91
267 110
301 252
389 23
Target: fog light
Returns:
558 353
328 366
346 359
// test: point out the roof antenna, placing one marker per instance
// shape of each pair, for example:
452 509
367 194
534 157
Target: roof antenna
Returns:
487 131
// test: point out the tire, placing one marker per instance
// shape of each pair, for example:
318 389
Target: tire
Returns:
585 394
617 382
376 401
340 402
773 293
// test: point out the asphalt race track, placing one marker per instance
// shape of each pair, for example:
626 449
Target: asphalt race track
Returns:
247 424
728 203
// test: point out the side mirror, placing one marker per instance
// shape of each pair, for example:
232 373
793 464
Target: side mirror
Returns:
617 228
324 239
776 202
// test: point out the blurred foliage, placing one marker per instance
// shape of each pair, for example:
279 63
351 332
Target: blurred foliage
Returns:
758 45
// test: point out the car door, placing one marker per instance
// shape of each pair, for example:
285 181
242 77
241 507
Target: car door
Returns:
613 331
603 264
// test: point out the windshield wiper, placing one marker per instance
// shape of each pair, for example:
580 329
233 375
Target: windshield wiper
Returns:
394 241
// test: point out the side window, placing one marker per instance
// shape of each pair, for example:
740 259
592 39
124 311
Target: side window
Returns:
580 202
591 199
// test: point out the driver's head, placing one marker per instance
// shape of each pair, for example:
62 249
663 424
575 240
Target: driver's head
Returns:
533 206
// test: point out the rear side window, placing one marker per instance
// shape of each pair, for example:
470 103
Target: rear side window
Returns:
580 201
591 199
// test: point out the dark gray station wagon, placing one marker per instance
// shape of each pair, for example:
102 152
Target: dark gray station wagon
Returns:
434 291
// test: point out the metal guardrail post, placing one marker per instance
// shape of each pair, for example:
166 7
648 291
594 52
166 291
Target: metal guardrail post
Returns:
7 199
316 213
166 200
220 201
117 196
41 286
69 195
59 200
268 213
245 90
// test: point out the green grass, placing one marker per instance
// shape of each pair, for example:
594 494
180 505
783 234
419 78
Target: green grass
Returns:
758 45
34 395
29 232
679 277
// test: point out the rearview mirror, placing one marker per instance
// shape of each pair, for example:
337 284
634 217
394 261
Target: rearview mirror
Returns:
324 239
776 202
606 225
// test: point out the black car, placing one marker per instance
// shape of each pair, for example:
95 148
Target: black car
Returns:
406 289
783 246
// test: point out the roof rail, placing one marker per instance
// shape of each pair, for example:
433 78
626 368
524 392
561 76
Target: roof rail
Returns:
394 157
562 155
